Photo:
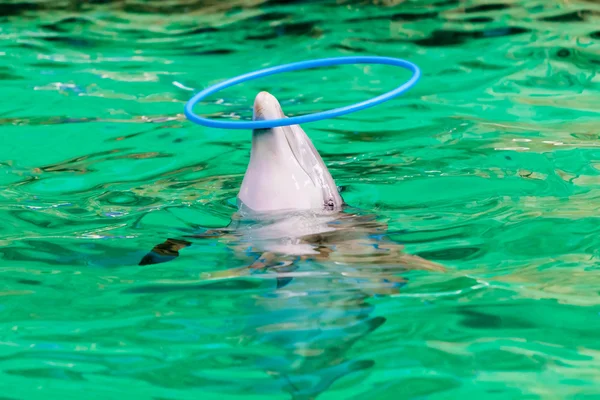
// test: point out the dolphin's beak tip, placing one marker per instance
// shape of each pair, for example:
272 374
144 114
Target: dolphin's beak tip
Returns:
263 94
266 106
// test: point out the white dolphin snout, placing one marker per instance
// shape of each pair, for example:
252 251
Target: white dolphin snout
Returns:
266 107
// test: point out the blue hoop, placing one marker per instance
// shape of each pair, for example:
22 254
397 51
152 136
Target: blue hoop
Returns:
324 62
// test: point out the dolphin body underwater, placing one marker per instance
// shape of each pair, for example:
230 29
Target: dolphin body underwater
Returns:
291 216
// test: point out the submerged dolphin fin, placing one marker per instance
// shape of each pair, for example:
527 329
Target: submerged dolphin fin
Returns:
265 261
163 252
169 250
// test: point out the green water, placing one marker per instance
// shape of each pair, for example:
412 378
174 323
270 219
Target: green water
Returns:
490 167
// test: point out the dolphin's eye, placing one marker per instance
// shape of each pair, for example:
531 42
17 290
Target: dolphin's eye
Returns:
329 204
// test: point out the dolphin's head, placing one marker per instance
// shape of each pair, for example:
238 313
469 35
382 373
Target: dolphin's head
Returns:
285 171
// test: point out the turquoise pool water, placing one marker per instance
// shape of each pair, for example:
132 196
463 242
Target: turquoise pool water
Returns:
490 167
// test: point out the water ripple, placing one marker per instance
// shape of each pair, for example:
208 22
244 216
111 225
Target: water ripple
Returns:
488 167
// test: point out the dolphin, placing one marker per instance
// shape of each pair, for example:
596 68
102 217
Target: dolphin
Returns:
291 216
289 206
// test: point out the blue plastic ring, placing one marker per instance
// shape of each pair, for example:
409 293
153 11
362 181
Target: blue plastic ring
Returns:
324 62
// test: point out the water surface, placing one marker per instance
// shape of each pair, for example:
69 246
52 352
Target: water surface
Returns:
490 167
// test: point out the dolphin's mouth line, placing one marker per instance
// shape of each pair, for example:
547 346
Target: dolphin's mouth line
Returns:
287 139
